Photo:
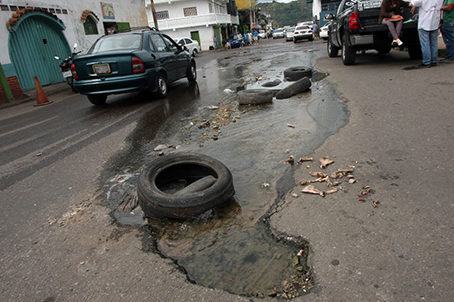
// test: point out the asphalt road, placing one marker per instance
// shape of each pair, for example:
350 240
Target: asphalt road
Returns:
60 244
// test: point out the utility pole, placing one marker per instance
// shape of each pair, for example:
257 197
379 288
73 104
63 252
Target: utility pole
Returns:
250 15
155 17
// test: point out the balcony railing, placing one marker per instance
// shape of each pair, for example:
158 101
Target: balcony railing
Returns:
199 20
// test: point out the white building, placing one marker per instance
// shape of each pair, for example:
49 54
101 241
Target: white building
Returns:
33 32
197 19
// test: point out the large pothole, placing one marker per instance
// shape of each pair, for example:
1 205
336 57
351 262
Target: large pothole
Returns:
232 247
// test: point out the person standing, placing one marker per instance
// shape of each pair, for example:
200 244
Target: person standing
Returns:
315 30
428 23
390 15
215 42
447 30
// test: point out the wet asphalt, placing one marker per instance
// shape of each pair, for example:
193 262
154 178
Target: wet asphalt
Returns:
398 141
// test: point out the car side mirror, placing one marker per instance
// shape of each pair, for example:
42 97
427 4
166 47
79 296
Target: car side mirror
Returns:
329 16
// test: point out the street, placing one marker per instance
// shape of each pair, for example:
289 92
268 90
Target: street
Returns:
392 126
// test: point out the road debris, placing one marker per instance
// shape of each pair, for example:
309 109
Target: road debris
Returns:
203 125
290 160
313 190
303 159
325 161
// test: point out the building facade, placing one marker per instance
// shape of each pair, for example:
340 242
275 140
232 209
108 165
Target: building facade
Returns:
36 31
196 19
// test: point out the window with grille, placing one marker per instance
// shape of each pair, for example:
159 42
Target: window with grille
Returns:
190 11
90 26
162 15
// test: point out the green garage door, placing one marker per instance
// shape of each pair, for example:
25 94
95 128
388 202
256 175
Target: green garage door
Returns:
36 39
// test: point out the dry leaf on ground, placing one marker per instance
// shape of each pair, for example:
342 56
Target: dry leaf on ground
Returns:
312 190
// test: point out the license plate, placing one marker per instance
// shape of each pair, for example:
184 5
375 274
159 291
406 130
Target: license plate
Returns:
101 68
67 74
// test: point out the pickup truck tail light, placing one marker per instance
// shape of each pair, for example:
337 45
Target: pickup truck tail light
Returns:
353 21
74 72
137 65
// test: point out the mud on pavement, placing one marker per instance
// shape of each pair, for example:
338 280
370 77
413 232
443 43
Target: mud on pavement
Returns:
233 247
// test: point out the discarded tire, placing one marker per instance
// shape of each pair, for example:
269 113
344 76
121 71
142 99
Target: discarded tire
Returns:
295 73
294 88
183 185
255 96
272 84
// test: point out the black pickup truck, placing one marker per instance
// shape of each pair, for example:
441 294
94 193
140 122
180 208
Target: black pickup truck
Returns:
355 28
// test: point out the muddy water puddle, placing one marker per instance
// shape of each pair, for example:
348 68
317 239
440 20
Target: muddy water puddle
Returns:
232 247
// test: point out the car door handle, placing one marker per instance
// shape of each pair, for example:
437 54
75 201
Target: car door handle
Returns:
153 56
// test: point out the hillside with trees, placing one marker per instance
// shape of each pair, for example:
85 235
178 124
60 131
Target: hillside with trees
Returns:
283 14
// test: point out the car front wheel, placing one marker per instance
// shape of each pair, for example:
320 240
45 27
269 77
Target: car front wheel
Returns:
192 73
333 51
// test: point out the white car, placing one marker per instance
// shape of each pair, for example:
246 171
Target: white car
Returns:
324 31
192 45
262 34
289 32
303 32
279 33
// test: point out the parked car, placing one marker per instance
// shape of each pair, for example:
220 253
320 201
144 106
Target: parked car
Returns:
262 34
279 33
289 32
129 61
234 41
303 32
191 44
324 31
308 23
354 28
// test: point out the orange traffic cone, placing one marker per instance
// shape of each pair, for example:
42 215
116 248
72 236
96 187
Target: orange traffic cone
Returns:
41 97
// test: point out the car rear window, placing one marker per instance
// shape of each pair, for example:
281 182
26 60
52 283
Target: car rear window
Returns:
117 42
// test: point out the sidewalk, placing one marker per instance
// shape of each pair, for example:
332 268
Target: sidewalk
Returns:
30 95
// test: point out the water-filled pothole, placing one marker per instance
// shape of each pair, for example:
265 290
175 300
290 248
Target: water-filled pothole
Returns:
232 247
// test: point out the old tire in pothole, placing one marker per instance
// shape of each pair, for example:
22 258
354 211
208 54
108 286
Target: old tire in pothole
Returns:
158 182
294 88
295 73
255 96
272 84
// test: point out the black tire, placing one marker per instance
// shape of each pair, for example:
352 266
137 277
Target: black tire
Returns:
97 99
255 96
295 88
192 72
161 86
384 50
172 168
348 53
195 53
311 38
414 51
296 73
333 51
274 83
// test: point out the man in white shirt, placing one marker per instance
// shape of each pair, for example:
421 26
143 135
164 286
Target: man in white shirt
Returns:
428 23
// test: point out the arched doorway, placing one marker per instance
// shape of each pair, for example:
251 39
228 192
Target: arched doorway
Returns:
33 43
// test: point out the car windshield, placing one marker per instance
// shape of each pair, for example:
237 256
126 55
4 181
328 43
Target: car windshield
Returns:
278 30
302 27
290 29
117 42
